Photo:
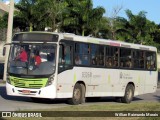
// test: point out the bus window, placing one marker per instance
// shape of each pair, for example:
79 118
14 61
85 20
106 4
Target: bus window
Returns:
65 57
97 55
94 52
125 58
36 63
138 59
150 61
85 58
40 59
101 55
82 50
111 59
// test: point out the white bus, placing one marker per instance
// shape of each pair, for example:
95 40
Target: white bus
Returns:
76 67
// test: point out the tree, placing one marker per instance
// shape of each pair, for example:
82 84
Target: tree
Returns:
100 28
138 29
3 21
67 15
97 22
137 25
80 15
26 16
135 28
81 18
52 11
113 23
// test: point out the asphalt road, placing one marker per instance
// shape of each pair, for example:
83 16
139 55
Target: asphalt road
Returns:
11 103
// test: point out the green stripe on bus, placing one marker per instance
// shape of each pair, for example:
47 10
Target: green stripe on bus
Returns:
28 82
139 79
109 79
75 78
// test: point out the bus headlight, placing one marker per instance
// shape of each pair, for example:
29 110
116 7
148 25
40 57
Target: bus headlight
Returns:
50 80
8 79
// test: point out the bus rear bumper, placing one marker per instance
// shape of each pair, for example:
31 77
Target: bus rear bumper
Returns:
46 92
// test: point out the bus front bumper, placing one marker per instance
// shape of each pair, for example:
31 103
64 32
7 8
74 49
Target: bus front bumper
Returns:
45 92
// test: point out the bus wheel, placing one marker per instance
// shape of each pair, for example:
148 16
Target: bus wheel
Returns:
77 95
129 93
83 99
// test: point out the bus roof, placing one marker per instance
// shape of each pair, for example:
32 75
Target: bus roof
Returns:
107 42
73 37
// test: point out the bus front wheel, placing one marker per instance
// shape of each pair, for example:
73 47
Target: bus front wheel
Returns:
77 95
129 93
83 99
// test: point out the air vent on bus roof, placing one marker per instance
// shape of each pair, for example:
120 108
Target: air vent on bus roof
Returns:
68 36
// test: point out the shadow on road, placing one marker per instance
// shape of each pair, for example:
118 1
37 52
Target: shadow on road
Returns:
137 99
157 97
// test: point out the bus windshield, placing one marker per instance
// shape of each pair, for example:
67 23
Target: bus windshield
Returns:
32 59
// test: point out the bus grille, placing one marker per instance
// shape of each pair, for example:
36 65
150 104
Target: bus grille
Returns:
28 83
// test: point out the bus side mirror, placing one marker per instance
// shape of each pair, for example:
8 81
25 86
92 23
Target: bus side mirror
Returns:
4 51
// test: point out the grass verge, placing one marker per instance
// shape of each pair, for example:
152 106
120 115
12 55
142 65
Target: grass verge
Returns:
105 107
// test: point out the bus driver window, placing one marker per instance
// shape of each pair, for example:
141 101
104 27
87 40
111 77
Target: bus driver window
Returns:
65 56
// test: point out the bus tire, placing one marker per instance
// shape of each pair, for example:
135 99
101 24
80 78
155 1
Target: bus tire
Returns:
129 93
77 95
83 98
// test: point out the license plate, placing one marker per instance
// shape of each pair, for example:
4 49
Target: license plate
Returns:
25 91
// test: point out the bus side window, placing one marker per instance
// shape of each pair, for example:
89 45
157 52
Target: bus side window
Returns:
68 55
85 54
83 51
94 52
65 57
138 59
150 61
111 57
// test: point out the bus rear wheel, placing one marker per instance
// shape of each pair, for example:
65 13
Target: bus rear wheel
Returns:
129 93
77 95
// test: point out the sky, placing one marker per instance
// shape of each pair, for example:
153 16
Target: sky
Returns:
152 7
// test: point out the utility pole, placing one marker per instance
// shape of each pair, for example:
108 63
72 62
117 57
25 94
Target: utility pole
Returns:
9 35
